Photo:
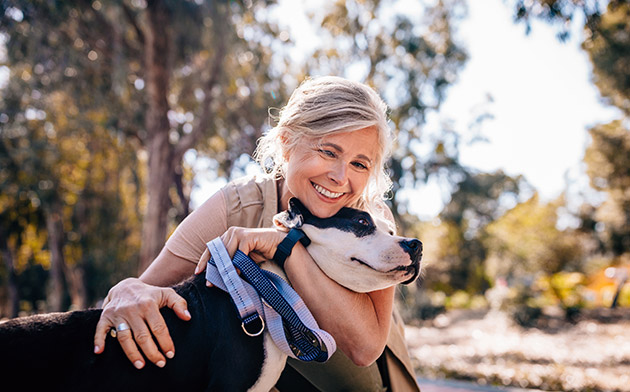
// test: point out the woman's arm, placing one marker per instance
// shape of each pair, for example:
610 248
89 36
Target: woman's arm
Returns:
137 302
167 269
359 322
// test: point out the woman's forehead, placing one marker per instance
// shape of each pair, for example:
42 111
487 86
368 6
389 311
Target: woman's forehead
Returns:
362 142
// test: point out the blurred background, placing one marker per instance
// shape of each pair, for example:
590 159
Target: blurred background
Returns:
511 163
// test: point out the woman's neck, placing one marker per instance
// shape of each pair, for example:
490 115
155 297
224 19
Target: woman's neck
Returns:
283 195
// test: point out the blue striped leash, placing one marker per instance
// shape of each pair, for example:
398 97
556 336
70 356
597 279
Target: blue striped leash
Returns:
289 322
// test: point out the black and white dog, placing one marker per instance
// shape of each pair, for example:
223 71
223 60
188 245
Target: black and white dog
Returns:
54 351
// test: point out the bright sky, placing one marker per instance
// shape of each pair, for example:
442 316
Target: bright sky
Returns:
543 102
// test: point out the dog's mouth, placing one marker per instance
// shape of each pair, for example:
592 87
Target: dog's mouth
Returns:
413 269
364 263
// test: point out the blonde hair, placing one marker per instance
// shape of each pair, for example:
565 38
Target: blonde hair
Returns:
324 106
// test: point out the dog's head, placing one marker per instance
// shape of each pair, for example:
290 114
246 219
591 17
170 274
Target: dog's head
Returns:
354 250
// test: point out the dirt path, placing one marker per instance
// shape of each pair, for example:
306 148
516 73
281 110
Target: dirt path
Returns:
489 348
427 385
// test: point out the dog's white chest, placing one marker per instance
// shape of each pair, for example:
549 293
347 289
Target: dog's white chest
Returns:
272 367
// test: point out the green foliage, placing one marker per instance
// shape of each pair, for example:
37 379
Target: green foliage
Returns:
462 300
526 241
608 46
92 172
479 199
562 288
561 13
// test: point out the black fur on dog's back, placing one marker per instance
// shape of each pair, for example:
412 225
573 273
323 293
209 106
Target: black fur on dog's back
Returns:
55 352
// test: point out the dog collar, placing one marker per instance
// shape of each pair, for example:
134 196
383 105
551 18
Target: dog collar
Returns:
286 246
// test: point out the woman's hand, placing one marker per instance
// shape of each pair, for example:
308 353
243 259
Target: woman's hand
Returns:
138 305
259 244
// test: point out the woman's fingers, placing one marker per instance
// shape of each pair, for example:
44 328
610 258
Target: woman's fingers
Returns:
125 339
203 260
128 344
102 329
259 244
158 327
138 306
179 305
230 240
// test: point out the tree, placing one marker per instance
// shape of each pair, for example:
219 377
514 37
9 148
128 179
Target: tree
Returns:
561 13
526 242
478 200
58 180
608 46
607 42
170 71
608 166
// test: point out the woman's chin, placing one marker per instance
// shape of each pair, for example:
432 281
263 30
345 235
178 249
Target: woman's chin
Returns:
325 211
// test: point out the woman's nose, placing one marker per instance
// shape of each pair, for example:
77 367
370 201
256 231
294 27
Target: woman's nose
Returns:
338 173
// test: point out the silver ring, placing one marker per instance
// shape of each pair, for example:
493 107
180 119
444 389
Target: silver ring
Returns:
122 327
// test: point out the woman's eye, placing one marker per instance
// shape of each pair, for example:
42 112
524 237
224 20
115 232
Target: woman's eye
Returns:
359 165
328 153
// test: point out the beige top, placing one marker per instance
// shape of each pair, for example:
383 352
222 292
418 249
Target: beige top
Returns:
252 202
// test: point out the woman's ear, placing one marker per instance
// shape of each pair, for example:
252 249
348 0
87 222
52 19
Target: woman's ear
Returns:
285 153
284 145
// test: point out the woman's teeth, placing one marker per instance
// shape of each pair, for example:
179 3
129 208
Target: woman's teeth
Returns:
326 192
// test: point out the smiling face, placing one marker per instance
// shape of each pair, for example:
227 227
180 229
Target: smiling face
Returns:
331 173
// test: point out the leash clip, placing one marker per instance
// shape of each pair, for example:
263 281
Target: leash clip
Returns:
246 324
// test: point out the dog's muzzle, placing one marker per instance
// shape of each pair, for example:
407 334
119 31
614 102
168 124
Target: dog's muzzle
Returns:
414 248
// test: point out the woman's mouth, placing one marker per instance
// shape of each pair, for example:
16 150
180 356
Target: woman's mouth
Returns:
325 192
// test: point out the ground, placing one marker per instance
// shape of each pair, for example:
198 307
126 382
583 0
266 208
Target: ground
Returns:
590 353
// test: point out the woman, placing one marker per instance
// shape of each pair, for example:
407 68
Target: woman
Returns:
327 150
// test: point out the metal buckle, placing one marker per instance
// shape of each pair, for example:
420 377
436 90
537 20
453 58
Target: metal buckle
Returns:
262 327
314 341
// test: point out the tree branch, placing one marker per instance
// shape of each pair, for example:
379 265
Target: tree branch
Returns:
132 20
189 140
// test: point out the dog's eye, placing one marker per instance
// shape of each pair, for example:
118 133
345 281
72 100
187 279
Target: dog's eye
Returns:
364 222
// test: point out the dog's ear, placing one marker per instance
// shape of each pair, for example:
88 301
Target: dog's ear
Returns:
296 207
292 218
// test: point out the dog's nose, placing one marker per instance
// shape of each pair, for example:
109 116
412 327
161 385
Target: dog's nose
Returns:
413 247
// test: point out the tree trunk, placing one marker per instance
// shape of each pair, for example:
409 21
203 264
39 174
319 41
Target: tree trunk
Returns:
54 227
75 276
12 287
63 279
160 151
165 158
